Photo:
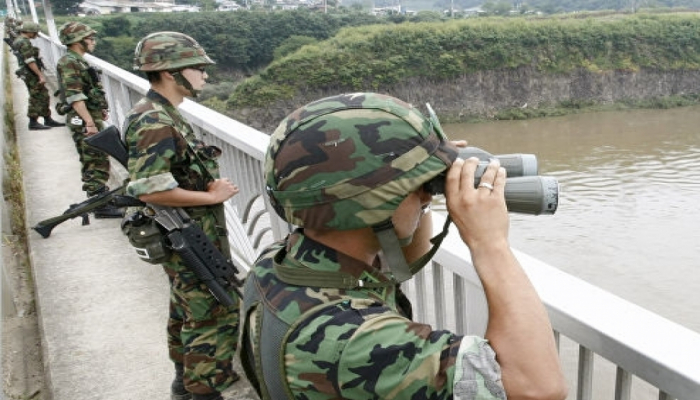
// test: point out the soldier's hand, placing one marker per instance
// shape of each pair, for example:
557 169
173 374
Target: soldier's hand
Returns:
222 189
42 79
90 130
479 213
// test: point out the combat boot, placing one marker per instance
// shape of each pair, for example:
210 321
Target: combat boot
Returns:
50 122
177 389
34 125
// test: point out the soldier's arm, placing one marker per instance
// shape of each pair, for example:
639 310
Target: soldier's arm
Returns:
35 69
219 191
518 328
152 152
82 111
69 71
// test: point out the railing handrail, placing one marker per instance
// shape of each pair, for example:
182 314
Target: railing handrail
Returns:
638 341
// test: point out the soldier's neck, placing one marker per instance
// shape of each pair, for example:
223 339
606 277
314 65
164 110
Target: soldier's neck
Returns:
169 92
360 244
77 48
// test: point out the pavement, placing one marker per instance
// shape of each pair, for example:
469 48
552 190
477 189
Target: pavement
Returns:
102 311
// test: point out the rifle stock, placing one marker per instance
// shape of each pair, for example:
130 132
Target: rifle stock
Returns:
109 141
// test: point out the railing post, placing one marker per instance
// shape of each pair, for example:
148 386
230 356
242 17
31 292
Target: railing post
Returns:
623 384
584 389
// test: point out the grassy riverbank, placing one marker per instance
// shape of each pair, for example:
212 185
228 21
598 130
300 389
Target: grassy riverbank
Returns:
491 68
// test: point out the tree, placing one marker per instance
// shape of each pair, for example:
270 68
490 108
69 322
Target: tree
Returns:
500 7
292 44
117 26
65 7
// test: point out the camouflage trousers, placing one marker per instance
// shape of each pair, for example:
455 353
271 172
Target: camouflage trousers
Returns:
38 97
94 163
202 334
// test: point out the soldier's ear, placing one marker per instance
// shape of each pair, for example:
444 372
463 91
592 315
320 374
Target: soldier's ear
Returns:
166 75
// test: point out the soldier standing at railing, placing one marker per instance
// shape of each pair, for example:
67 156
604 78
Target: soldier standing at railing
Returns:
323 314
30 70
169 166
85 104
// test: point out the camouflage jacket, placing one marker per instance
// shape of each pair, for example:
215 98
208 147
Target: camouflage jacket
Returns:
161 145
29 53
79 84
351 344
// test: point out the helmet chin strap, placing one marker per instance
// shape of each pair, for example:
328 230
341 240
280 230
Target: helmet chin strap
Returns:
182 81
393 255
85 47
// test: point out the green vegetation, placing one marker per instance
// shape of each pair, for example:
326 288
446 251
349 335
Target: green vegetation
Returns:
285 54
12 184
378 57
240 42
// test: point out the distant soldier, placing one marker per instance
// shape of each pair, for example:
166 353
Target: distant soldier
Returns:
81 90
30 70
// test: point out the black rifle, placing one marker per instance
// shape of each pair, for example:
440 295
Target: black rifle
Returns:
114 197
183 235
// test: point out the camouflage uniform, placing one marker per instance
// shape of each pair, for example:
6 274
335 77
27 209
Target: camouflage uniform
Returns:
78 84
319 324
39 99
202 333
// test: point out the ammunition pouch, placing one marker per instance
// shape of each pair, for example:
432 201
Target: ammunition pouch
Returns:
21 73
147 237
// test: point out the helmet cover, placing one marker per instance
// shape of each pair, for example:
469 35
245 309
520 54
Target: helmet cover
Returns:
29 26
74 32
347 161
168 51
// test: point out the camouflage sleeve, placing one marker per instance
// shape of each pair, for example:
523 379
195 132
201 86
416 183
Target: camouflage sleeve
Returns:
152 150
478 375
71 75
407 360
24 47
368 351
393 357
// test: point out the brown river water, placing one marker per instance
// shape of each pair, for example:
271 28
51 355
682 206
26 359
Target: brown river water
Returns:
628 219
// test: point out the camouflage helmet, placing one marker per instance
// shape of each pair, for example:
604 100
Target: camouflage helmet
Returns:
167 51
29 26
347 161
74 32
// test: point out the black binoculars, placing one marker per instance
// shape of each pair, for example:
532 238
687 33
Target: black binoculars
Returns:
525 191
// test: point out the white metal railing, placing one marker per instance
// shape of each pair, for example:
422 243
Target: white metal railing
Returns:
610 348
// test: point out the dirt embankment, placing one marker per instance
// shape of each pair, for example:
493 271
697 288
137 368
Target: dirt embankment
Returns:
483 94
